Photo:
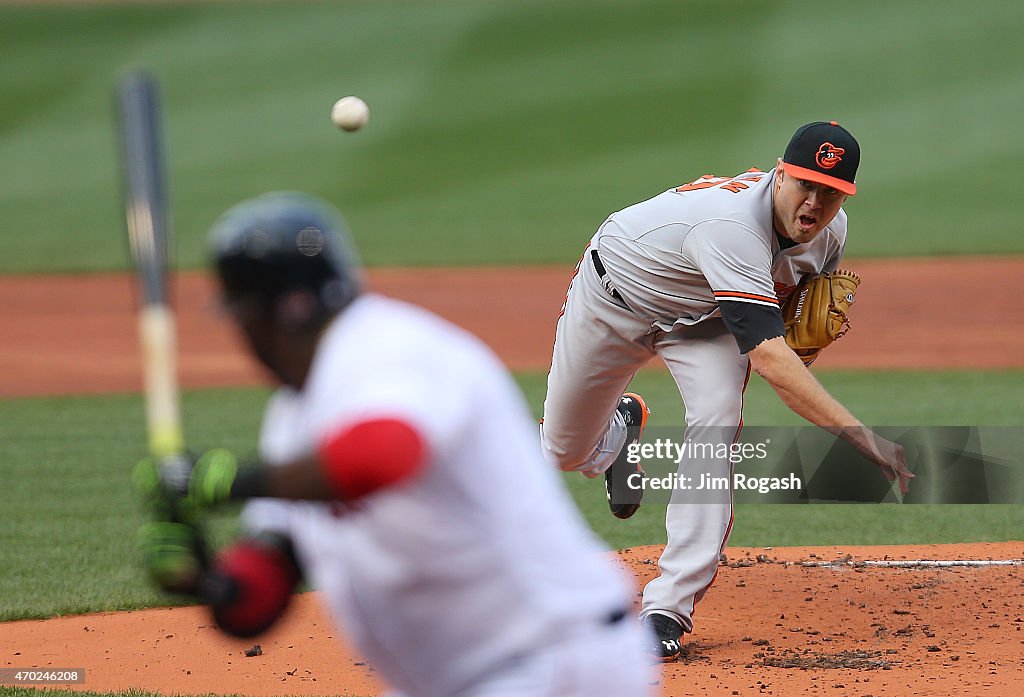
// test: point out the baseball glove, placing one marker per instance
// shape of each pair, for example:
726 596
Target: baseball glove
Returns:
815 313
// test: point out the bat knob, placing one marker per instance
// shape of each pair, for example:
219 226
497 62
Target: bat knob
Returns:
175 472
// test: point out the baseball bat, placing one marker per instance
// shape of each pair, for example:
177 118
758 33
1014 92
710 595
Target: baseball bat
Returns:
144 194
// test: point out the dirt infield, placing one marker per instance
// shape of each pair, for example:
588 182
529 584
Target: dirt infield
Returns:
76 334
770 626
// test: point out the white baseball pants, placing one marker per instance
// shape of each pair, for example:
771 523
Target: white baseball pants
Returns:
599 346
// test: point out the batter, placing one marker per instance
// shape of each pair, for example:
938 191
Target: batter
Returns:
399 474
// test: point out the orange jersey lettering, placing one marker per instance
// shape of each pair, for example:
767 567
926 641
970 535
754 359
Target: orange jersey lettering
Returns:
733 184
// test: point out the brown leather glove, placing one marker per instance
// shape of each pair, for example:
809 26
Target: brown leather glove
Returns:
816 312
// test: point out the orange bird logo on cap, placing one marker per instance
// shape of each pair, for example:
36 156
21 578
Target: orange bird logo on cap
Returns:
829 156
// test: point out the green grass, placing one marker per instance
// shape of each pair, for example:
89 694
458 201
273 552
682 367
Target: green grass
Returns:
69 515
68 520
504 131
888 398
880 399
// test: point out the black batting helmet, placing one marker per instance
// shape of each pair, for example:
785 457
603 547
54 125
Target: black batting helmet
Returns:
286 256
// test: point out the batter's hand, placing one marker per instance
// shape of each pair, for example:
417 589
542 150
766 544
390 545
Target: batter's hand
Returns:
180 488
160 483
212 478
174 556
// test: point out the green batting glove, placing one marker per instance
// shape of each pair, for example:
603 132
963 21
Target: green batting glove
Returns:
212 478
162 486
146 479
157 499
174 556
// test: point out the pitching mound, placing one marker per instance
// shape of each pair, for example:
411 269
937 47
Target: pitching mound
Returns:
777 621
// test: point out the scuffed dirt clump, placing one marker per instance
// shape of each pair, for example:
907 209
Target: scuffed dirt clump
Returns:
811 660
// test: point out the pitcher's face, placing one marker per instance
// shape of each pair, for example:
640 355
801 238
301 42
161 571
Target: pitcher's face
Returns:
803 208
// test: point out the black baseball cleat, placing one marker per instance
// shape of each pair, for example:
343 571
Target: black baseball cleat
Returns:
665 635
624 500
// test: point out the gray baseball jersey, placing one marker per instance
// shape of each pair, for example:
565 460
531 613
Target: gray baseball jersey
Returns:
662 270
673 257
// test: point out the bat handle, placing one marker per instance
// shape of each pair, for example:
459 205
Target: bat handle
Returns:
163 415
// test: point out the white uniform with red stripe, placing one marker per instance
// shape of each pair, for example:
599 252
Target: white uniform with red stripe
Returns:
476 577
668 261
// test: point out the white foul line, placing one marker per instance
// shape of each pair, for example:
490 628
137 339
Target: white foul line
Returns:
916 563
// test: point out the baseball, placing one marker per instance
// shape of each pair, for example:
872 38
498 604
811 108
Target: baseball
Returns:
350 113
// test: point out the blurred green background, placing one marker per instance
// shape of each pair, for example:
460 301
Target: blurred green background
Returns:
502 132
505 131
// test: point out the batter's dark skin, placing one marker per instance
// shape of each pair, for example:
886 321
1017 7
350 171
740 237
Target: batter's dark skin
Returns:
286 349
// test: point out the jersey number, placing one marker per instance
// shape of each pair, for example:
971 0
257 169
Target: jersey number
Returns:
733 184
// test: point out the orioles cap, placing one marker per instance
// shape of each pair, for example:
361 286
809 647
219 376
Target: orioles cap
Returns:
826 153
